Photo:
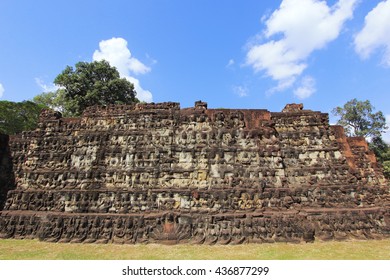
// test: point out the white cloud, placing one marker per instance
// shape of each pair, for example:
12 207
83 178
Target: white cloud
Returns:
151 59
142 94
281 86
240 91
1 90
294 31
45 87
116 52
230 63
306 88
375 33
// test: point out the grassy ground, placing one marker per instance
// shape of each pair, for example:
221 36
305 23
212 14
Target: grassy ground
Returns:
11 249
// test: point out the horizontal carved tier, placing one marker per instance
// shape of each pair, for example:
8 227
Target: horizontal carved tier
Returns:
173 227
195 200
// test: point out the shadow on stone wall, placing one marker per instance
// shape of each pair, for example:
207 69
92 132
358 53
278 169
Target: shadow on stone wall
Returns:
7 179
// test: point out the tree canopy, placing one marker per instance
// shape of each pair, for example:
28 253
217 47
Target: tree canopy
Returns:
16 117
53 100
359 119
88 84
382 153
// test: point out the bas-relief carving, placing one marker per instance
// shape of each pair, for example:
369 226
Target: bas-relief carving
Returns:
157 173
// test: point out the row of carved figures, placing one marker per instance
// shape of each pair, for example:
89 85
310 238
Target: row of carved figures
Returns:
219 201
176 228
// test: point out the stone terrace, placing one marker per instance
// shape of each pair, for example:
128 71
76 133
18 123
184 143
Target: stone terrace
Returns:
158 173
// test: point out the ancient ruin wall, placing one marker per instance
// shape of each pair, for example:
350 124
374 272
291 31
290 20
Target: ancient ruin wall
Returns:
159 172
135 147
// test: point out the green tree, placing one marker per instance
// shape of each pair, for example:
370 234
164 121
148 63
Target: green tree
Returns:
386 169
95 83
380 148
16 117
54 100
358 119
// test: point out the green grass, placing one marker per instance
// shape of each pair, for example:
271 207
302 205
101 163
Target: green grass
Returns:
11 249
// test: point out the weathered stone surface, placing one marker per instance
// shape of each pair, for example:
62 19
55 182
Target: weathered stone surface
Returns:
158 173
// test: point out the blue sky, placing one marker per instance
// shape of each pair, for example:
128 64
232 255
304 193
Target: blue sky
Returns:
230 53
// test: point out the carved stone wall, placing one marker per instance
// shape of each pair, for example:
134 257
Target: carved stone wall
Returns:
158 173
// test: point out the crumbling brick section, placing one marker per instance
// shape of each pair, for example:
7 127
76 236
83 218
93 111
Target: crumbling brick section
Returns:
158 173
